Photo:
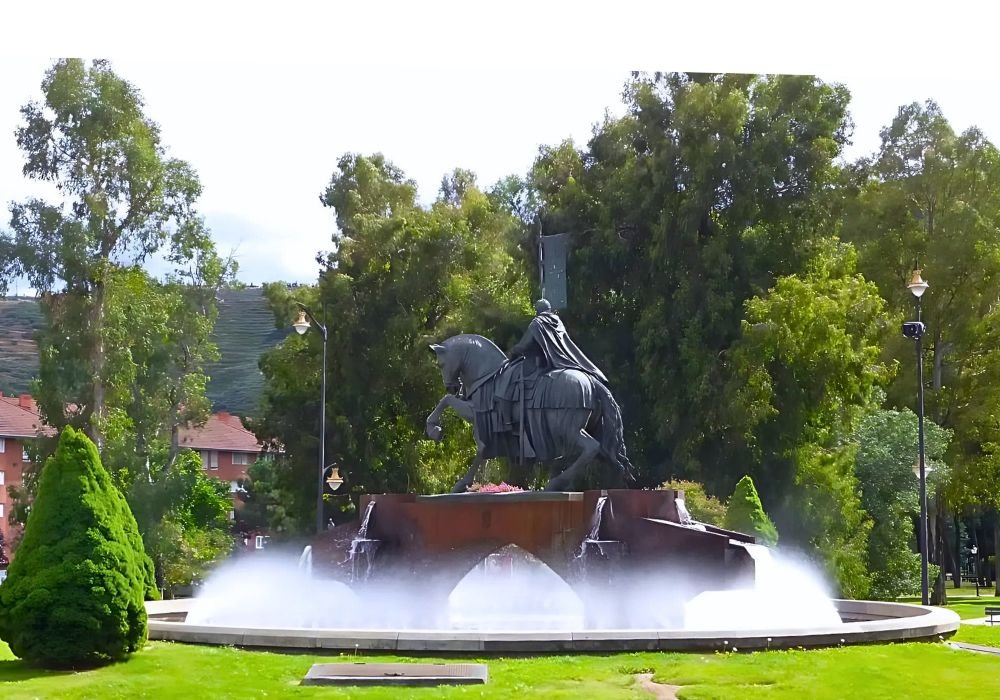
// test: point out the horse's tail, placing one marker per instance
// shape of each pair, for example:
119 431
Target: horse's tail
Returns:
612 433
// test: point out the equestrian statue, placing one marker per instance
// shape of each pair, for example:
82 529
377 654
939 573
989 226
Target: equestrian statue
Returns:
546 402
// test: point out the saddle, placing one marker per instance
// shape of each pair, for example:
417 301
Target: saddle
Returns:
512 378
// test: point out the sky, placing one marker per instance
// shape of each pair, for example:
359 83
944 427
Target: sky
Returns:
263 115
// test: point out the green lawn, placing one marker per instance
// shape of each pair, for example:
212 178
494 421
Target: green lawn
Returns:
166 670
972 607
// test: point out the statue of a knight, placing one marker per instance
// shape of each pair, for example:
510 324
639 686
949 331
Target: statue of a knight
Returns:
546 345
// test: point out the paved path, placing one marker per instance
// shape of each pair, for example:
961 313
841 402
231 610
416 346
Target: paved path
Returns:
982 621
979 649
661 691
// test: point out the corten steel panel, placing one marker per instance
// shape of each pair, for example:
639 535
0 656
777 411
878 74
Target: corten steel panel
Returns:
446 525
440 538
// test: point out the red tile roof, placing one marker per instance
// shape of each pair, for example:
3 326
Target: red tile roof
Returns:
223 432
19 417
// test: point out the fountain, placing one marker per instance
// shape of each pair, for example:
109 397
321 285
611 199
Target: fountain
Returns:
556 570
531 571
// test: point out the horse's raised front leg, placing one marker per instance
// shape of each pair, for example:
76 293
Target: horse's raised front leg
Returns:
462 408
589 449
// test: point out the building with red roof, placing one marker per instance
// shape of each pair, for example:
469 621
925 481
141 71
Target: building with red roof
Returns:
19 421
226 447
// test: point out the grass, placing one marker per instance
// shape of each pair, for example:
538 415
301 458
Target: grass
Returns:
167 670
968 608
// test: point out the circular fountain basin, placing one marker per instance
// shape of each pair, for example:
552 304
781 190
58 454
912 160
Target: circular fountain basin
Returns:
863 622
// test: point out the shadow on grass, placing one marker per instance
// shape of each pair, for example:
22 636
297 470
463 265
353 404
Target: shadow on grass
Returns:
14 670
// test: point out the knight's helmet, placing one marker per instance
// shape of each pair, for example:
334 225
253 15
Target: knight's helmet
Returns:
542 305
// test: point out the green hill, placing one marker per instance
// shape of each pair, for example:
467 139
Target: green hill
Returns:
245 329
19 319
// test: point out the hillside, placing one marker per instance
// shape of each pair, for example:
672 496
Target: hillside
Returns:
19 319
245 329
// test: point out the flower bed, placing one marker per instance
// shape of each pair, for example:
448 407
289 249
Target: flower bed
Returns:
502 487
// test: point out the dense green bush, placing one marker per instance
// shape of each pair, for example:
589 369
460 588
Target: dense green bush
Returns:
74 594
746 514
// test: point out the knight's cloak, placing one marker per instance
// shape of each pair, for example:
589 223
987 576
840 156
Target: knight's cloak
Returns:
548 332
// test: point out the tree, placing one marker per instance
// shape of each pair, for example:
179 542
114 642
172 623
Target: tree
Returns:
402 276
806 369
124 201
455 185
269 503
74 593
125 352
930 198
745 513
708 189
885 444
4 560
183 516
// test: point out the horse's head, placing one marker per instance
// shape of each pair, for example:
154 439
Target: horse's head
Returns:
450 362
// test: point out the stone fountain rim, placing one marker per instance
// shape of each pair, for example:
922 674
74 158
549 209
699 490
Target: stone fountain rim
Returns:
871 622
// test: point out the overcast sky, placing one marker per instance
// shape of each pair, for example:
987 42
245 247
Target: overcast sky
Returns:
264 130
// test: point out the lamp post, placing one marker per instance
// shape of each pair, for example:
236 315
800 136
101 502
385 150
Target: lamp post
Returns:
915 330
301 325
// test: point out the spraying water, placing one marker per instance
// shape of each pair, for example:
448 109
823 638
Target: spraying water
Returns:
682 512
363 530
786 595
268 590
685 516
513 590
306 560
362 552
595 527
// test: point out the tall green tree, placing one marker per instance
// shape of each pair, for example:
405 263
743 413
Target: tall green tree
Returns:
805 371
123 200
74 593
707 190
122 355
885 446
930 198
402 276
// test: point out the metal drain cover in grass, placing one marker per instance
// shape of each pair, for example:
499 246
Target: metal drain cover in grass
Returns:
396 674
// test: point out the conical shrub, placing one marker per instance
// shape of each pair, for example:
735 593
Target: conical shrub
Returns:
74 593
746 514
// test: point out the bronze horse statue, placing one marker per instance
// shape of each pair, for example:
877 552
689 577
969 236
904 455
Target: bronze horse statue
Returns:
562 412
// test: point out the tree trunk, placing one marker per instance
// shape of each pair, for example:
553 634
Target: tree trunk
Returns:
956 560
938 373
935 537
996 555
97 358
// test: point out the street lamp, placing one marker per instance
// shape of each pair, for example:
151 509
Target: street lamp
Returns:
334 480
301 325
915 330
